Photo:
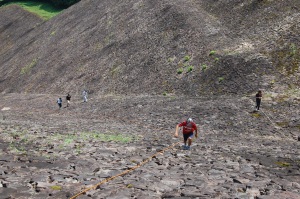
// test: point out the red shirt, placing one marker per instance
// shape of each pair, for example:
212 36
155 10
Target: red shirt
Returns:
188 127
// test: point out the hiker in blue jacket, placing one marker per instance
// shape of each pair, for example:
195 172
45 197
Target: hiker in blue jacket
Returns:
59 102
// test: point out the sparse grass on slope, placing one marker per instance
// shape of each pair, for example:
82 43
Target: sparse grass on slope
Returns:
42 9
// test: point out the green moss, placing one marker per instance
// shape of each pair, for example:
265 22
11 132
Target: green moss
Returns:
190 68
186 58
283 164
179 70
56 188
256 115
212 52
28 67
129 186
282 124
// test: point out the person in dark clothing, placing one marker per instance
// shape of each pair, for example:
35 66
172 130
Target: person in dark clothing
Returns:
59 102
68 98
258 99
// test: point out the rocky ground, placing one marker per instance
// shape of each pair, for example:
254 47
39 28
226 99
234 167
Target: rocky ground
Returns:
51 153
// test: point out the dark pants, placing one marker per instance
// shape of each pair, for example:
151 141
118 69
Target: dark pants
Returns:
258 103
59 104
187 135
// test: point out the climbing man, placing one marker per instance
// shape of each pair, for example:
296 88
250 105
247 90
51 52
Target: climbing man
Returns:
189 127
84 93
68 98
258 97
59 102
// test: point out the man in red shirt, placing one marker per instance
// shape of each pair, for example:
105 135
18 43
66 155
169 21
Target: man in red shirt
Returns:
189 127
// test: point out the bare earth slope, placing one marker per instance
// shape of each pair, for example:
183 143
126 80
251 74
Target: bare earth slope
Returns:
138 47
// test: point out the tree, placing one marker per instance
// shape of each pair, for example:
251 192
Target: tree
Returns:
64 3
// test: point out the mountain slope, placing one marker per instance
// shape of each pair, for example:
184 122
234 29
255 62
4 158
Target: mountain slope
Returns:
138 47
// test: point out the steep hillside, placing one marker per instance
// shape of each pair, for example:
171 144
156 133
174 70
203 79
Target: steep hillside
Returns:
141 47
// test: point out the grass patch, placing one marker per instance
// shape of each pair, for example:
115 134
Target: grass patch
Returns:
27 68
212 52
179 70
282 124
221 79
106 137
257 115
283 164
190 68
56 188
42 9
186 58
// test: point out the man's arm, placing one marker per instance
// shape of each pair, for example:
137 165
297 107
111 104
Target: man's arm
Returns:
176 131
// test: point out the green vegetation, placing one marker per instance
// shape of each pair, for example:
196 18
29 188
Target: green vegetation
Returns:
221 79
63 3
283 164
42 9
212 52
171 59
204 67
190 68
180 70
282 124
164 93
217 59
27 68
257 115
293 49
21 142
129 186
186 58
56 188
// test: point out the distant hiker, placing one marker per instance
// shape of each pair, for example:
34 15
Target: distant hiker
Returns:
68 98
189 127
258 97
59 102
84 94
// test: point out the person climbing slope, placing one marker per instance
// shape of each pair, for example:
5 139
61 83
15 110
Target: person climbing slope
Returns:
59 102
68 98
188 130
258 97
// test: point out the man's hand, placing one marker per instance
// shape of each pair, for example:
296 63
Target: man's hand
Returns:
196 135
176 135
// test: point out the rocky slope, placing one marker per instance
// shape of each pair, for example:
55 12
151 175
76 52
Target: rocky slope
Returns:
51 153
127 54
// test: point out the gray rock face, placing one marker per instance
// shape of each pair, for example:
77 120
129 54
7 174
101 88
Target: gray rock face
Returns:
50 153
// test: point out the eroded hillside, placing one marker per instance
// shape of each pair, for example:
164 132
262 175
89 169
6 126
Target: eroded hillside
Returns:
142 46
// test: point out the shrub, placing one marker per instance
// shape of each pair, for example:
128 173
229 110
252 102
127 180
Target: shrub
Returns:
186 58
64 3
212 52
180 70
204 67
221 79
190 68
27 68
